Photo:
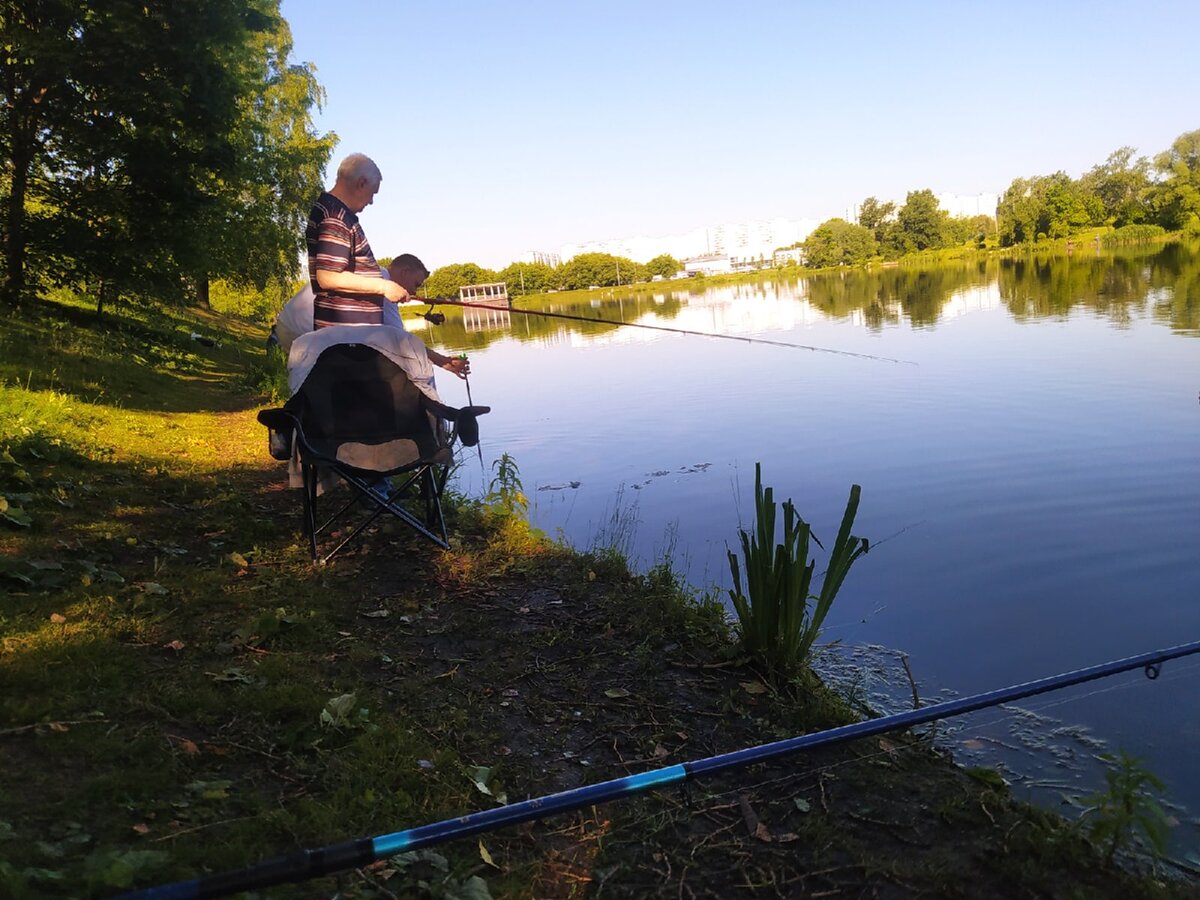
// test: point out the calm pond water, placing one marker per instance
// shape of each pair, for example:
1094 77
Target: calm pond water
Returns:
1030 476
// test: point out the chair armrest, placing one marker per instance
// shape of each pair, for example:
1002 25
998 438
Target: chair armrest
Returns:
277 419
465 425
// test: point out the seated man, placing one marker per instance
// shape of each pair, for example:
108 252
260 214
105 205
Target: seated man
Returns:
294 331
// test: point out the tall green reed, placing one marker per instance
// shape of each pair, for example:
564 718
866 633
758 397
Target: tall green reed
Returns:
779 616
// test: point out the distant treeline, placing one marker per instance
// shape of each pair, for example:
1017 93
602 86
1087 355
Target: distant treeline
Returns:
1135 196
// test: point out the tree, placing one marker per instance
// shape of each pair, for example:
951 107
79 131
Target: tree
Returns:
126 120
1176 200
1069 207
664 264
254 229
1046 206
920 223
444 283
1121 183
838 243
874 215
599 270
527 278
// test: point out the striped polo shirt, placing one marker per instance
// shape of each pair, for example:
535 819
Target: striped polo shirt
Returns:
337 243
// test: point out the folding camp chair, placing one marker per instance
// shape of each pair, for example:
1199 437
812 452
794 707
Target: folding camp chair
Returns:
359 417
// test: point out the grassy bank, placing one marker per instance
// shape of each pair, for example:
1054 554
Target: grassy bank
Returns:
181 693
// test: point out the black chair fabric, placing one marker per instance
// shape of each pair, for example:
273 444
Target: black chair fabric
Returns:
359 416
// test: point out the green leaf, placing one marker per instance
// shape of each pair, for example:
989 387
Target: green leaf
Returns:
14 514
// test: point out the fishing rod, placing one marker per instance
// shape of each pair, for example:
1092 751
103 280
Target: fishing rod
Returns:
470 402
685 331
305 864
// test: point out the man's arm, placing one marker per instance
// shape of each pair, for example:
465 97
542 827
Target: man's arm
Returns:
457 365
362 284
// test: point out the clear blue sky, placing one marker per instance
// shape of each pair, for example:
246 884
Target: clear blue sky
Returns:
502 128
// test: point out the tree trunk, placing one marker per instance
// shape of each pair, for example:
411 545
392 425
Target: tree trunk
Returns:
202 292
14 247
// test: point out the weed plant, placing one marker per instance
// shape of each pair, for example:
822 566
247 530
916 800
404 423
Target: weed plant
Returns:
1117 815
777 624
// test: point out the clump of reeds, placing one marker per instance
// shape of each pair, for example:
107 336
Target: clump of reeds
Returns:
779 615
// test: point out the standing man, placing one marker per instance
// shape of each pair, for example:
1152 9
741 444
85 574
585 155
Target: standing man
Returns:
346 282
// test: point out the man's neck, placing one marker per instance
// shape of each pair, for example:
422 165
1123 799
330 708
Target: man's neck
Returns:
342 194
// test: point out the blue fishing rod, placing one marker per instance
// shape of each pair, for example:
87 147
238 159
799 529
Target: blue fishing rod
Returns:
305 864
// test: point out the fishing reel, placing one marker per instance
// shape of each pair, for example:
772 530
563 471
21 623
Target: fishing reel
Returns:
434 318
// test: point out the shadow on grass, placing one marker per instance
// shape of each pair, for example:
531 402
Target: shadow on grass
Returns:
129 363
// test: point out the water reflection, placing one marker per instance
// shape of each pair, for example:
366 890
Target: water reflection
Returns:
1158 282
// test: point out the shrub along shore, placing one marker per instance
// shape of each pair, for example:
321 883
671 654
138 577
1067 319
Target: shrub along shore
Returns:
182 693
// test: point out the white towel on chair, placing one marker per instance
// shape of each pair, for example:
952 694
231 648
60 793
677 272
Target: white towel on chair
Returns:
403 348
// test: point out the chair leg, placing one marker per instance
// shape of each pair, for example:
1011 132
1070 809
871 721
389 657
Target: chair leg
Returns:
309 474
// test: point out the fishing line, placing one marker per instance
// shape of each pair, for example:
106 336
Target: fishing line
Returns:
684 331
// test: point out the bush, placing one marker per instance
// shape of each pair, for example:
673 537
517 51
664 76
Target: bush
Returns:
1133 234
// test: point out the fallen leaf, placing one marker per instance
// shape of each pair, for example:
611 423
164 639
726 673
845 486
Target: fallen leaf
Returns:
174 645
142 828
238 560
660 751
187 746
802 804
616 693
57 619
486 857
377 614
57 726
753 687
762 833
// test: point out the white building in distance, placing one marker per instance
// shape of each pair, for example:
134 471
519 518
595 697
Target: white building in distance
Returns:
742 242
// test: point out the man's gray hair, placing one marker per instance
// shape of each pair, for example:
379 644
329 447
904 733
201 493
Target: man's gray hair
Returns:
356 166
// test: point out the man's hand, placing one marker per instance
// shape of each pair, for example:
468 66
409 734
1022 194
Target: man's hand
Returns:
395 293
458 365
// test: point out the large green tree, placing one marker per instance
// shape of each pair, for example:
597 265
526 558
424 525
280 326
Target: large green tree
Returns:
1177 197
444 283
920 223
1046 206
598 270
875 215
837 242
252 232
664 264
527 277
140 135
1121 184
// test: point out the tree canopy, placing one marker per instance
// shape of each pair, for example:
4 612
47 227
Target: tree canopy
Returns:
838 243
153 146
